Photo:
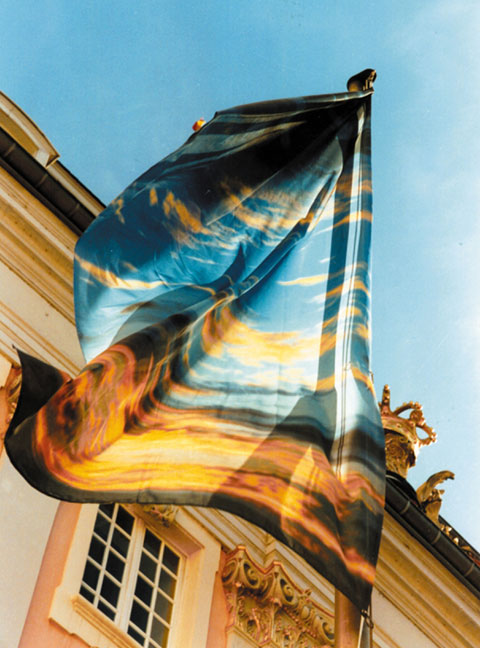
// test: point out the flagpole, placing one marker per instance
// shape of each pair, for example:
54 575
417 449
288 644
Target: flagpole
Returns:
347 622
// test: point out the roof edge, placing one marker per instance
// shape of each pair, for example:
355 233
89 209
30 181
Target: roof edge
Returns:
413 520
54 186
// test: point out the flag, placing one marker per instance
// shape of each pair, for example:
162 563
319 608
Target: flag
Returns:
222 304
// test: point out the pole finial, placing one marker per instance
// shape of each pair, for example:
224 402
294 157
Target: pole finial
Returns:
362 81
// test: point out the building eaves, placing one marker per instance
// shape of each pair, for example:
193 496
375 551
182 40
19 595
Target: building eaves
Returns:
404 510
50 185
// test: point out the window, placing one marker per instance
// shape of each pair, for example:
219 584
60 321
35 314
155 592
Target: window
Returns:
129 580
131 576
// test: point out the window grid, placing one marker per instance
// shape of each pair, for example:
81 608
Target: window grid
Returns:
154 591
107 556
124 553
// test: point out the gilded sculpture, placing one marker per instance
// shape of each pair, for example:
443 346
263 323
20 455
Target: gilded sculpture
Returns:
402 445
401 438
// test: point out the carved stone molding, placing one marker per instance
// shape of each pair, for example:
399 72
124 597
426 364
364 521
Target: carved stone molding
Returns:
19 125
163 513
267 607
9 394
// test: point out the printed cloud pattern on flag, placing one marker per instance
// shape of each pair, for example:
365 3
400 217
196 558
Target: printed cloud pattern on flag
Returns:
222 302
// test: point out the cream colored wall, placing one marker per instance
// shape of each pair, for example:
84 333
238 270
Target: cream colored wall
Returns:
417 602
25 520
38 632
36 315
36 269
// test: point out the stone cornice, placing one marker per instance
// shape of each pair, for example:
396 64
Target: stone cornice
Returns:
36 246
54 186
36 264
422 591
24 130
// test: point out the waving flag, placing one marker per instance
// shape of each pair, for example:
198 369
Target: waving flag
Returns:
222 303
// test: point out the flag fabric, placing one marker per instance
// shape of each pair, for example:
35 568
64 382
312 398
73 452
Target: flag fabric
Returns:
222 303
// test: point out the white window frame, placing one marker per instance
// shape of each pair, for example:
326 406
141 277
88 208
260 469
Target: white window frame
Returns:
122 609
200 556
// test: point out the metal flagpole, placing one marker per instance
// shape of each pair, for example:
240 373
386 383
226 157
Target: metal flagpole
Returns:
353 629
347 622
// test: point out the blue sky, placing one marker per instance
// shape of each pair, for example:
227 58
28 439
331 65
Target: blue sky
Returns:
117 84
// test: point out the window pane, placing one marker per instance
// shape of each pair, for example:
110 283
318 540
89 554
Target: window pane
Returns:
110 591
102 525
139 616
96 550
136 635
106 610
148 566
143 591
86 594
167 583
115 566
107 509
90 576
163 607
170 560
159 632
120 542
124 520
152 543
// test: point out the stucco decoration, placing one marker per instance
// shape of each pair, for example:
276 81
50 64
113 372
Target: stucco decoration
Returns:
163 513
8 400
265 606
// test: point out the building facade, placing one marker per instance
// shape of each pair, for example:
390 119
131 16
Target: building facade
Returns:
179 577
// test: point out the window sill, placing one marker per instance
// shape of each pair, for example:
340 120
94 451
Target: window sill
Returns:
97 620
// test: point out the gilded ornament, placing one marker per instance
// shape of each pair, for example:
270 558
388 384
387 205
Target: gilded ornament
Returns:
402 442
266 605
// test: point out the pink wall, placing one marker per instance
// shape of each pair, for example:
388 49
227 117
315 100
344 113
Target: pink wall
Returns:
217 630
38 631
